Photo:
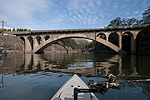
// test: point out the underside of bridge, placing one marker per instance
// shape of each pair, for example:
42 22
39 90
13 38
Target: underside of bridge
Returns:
38 44
121 41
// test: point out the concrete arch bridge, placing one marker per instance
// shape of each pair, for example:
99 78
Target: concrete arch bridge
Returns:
37 41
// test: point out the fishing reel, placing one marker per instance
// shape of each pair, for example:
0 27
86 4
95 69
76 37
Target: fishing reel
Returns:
103 86
111 78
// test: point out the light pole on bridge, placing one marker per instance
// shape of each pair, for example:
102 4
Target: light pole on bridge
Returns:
2 26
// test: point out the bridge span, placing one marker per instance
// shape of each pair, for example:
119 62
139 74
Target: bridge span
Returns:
37 41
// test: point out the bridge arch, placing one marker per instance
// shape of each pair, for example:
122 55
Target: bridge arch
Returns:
42 46
101 35
46 37
23 41
114 38
22 38
38 39
127 41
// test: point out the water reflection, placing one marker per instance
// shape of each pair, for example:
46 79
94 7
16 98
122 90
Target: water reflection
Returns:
81 63
96 65
72 63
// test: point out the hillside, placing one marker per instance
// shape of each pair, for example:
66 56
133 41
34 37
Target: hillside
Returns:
11 43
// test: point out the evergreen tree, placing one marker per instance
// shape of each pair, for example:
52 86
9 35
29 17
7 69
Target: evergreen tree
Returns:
146 16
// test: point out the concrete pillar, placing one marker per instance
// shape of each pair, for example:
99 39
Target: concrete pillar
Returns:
133 43
120 40
35 42
43 39
107 35
27 45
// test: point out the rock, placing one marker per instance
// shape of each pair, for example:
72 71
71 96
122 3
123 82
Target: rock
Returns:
11 43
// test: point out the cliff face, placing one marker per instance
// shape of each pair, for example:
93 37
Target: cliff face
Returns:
11 43
143 41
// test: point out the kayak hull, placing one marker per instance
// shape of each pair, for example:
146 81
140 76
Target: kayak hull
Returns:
66 92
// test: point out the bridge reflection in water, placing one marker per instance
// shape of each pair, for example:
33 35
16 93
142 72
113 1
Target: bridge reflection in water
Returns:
54 65
84 64
81 63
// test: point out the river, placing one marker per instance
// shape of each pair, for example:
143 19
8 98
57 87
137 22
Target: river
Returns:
38 77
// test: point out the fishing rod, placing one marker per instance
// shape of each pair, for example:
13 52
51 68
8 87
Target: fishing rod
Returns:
98 87
142 80
102 86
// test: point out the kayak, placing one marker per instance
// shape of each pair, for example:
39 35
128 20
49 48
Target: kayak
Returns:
66 92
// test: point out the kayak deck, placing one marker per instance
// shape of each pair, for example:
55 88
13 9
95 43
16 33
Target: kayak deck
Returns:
66 92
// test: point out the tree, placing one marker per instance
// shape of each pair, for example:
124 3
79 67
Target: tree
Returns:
115 22
29 30
90 45
18 29
13 29
131 21
146 16
9 29
24 29
124 22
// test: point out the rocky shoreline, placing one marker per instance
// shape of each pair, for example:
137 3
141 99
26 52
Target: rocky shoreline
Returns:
12 44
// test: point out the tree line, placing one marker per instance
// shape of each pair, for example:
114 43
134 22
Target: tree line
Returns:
14 29
118 22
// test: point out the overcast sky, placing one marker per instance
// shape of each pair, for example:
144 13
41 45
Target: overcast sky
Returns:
68 14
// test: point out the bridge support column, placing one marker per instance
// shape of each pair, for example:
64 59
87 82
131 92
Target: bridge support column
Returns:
35 42
28 44
107 35
133 44
25 38
43 39
120 40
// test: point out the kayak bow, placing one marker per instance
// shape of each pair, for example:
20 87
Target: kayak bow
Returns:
66 92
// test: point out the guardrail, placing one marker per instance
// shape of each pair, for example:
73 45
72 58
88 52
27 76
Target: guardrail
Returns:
124 27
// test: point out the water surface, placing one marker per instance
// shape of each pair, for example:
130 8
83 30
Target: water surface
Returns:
38 77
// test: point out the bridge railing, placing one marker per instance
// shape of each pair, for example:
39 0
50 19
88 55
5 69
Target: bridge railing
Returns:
140 25
125 27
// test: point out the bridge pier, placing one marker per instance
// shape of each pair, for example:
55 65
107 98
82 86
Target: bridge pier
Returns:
28 46
35 42
120 40
133 42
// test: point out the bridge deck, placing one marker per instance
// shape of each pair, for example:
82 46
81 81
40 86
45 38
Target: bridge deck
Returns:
64 31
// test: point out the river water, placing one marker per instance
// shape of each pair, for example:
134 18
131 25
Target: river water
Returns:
38 77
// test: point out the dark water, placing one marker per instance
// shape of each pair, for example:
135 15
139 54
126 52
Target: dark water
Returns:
38 77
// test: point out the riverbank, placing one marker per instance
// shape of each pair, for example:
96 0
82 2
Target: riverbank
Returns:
11 44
